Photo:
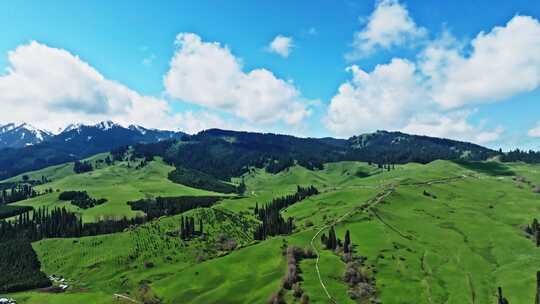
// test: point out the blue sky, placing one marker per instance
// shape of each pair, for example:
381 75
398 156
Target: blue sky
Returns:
95 60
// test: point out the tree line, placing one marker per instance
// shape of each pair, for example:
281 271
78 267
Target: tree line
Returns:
9 211
17 193
187 227
531 157
331 241
160 206
272 221
60 223
81 199
82 167
201 180
20 267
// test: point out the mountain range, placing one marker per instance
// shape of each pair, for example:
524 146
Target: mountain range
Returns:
221 153
27 148
21 135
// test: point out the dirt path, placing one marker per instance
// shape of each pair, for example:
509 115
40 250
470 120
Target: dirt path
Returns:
367 206
126 298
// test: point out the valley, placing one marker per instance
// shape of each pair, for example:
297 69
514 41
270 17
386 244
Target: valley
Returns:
441 232
270 152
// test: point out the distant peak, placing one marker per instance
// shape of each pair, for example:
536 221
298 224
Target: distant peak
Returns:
139 129
71 127
31 128
103 125
8 127
106 125
25 131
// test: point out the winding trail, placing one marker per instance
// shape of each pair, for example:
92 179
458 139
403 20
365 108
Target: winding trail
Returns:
123 297
370 203
388 190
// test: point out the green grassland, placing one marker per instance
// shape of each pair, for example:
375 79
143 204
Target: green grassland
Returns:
117 183
455 246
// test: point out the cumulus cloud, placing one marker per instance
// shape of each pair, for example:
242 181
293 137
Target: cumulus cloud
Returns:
389 25
496 65
281 45
451 125
381 99
434 95
51 87
394 97
535 132
192 122
208 74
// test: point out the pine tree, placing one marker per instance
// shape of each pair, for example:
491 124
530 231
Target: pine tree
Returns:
182 228
331 243
347 243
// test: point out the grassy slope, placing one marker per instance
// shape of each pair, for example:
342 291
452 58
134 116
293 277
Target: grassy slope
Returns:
461 245
117 183
55 172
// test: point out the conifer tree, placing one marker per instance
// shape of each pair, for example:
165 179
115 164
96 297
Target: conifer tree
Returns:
502 300
347 242
331 243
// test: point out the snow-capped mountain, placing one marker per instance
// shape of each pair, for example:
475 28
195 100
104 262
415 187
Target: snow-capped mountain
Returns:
108 131
21 135
77 141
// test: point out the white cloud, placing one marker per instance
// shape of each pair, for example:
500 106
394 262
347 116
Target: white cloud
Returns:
451 125
535 132
448 78
497 65
394 97
193 122
381 99
388 26
51 88
208 74
282 45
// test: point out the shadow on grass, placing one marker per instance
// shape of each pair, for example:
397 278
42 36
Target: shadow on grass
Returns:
489 168
362 173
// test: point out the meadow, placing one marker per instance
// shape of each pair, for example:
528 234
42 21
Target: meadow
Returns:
118 183
444 232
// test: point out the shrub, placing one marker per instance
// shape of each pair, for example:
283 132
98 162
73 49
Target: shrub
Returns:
80 199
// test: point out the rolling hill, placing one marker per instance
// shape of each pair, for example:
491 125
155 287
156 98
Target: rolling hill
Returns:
444 231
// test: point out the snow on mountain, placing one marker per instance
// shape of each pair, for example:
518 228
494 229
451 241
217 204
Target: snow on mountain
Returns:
106 125
72 127
7 128
140 129
21 135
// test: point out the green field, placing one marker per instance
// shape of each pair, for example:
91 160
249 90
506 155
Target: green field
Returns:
455 245
117 183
